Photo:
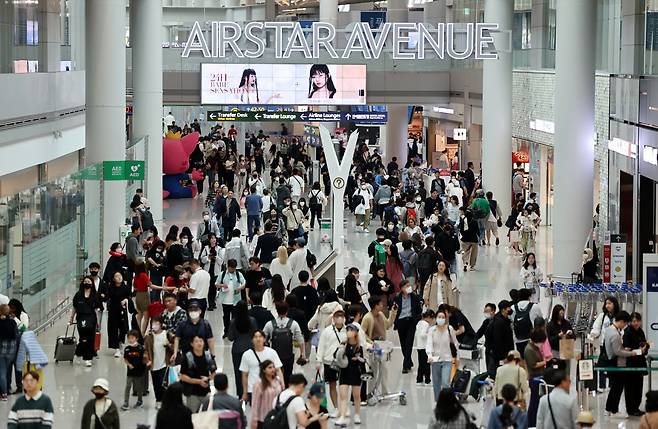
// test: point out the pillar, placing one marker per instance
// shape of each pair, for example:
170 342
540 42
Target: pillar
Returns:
49 36
539 31
574 133
497 107
396 134
77 34
397 11
145 30
6 35
632 37
105 87
329 11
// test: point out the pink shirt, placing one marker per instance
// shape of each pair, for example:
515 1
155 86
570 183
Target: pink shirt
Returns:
546 350
261 400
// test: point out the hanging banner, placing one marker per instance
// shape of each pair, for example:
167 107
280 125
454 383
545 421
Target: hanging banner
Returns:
617 258
606 258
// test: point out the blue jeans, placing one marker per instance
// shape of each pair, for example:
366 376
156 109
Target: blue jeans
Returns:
5 363
440 377
253 223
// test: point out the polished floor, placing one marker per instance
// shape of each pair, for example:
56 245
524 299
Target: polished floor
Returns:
496 273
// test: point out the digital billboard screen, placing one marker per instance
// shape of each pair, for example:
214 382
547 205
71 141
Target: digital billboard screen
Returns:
249 84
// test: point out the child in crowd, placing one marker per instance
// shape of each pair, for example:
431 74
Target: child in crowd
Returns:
420 341
133 356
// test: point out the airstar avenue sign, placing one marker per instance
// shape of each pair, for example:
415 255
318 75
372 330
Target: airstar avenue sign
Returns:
409 41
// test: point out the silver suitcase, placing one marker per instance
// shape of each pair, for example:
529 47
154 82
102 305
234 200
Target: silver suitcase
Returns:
65 346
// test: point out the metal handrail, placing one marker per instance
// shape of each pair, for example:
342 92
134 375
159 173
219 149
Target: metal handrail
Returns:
54 315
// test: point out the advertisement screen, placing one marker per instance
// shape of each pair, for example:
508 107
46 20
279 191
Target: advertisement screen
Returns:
324 84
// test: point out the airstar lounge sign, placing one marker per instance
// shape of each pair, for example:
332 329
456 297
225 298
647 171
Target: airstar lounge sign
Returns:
409 41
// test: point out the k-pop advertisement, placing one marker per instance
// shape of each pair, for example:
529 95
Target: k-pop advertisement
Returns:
324 84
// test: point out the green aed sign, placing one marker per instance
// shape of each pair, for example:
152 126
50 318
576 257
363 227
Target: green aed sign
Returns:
123 170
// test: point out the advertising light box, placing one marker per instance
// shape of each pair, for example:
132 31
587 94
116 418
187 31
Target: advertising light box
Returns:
298 84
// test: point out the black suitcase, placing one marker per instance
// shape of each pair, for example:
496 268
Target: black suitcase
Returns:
65 346
460 381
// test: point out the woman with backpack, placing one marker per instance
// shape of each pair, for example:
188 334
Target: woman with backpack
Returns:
316 201
266 389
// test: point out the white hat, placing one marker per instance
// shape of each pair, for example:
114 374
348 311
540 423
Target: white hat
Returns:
102 383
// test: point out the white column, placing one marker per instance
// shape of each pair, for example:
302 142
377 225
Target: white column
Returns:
397 11
329 11
574 132
49 36
497 108
106 105
77 34
6 34
397 132
145 30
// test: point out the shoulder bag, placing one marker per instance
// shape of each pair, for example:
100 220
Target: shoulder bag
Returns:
550 409
207 418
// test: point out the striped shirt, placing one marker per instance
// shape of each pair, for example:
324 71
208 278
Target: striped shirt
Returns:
261 400
31 413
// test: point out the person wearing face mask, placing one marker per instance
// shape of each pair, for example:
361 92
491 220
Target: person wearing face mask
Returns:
206 227
499 339
100 412
156 260
85 310
441 341
118 301
158 353
254 205
488 313
230 214
411 309
116 262
382 198
420 341
392 232
101 288
365 200
194 326
331 338
294 221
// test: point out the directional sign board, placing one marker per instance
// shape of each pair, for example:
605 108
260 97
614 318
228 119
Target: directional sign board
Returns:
358 117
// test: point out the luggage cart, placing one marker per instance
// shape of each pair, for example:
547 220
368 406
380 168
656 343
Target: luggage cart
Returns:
380 353
487 401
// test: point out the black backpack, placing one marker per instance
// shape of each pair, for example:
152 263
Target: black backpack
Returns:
522 322
281 340
277 418
147 219
426 263
311 260
314 201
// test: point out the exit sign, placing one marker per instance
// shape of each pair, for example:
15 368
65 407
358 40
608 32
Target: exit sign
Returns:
123 170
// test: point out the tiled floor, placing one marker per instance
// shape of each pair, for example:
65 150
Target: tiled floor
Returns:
497 272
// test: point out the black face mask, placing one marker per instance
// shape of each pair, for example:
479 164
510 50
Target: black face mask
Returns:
93 273
99 395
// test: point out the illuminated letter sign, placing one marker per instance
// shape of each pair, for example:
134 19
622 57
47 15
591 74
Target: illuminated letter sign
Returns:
221 39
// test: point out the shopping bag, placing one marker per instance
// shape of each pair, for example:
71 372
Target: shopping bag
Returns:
566 348
208 418
171 376
97 341
453 371
318 379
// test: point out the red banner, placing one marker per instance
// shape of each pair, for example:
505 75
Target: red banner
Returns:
606 263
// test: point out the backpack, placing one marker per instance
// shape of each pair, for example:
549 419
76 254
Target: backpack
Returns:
314 200
147 219
522 322
411 213
281 340
405 258
478 213
277 418
390 215
379 258
311 260
209 361
426 262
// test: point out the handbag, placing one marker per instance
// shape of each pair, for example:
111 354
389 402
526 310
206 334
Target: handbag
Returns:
208 418
360 210
566 348
499 222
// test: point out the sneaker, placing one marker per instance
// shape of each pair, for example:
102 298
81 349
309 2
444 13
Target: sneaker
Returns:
364 403
125 407
348 413
139 404
405 370
471 268
637 413
342 422
117 354
366 230
333 414
4 398
87 363
428 382
357 419
465 267
497 241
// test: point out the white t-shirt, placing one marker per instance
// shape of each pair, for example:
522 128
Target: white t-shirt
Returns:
169 119
295 406
251 365
297 186
367 196
234 281
159 341
200 282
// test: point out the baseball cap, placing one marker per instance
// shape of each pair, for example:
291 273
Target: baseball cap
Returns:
317 390
352 327
300 241
102 383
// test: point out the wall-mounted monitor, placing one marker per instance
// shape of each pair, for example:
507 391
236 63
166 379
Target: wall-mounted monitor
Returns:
300 84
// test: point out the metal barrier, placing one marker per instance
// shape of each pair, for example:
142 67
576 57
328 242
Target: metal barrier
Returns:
54 315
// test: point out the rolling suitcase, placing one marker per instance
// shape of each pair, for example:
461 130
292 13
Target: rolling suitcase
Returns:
460 382
65 346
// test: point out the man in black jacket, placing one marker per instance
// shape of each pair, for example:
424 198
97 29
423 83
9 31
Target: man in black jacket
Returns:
438 184
410 309
282 194
230 214
499 339
299 316
266 245
432 202
428 259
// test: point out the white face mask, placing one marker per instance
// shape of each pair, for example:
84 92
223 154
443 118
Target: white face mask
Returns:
488 315
339 320
184 241
194 315
408 290
206 217
302 203
440 322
